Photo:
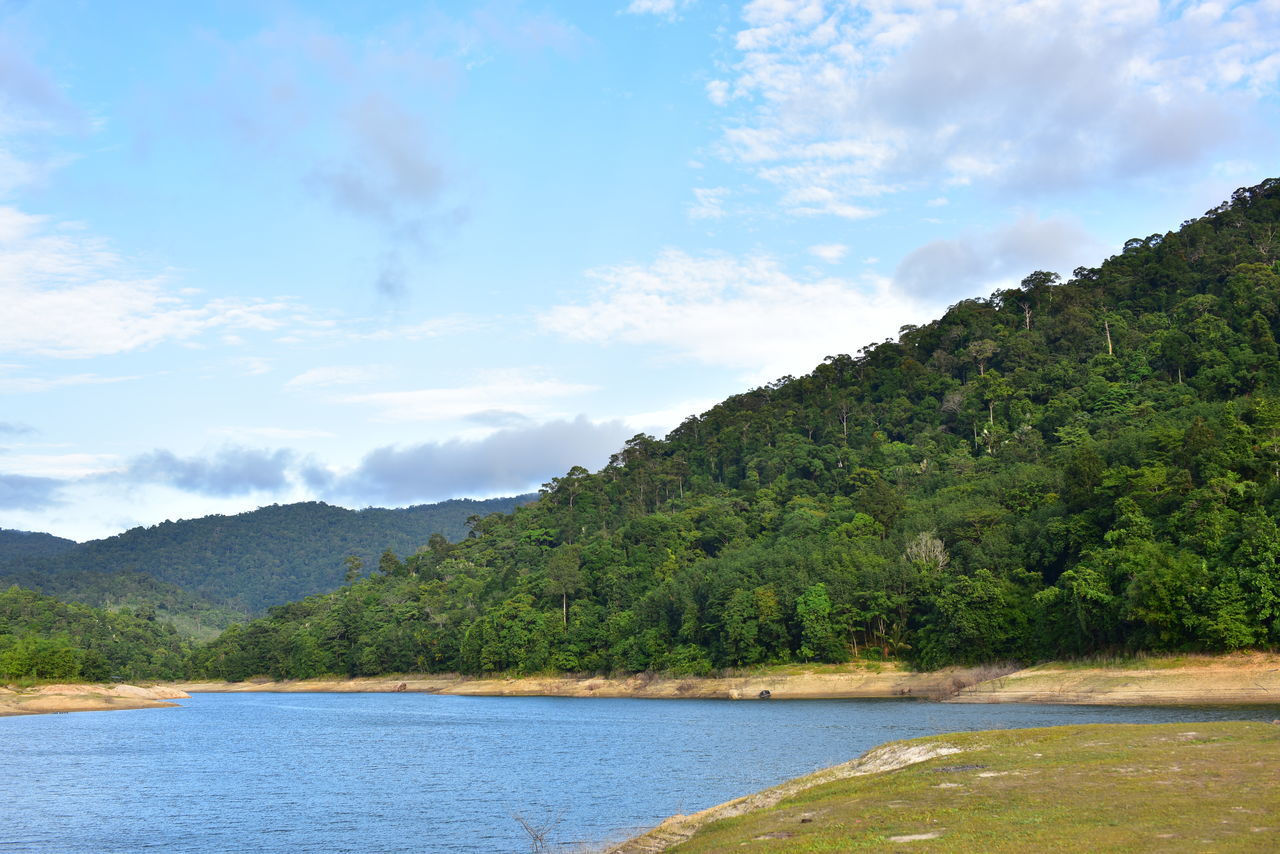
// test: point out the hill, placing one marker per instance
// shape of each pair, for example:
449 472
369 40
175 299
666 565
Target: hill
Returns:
44 638
1059 469
219 567
15 545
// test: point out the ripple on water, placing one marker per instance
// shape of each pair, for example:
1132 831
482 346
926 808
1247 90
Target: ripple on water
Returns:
394 772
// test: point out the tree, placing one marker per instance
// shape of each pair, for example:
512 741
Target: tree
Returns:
819 638
564 575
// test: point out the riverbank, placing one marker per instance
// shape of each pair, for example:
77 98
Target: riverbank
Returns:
1112 787
1242 678
1246 678
791 682
49 699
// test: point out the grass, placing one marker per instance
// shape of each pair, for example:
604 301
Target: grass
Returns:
1109 787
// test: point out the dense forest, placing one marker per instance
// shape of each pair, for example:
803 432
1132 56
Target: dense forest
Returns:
16 545
1059 469
43 638
212 571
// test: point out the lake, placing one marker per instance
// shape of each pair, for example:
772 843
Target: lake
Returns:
425 772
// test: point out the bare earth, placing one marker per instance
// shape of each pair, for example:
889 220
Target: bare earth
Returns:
783 683
1243 678
1251 678
43 699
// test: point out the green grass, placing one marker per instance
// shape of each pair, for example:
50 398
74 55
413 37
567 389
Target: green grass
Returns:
1167 787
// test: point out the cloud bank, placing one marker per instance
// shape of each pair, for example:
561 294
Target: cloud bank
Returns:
230 471
838 102
508 461
744 314
67 294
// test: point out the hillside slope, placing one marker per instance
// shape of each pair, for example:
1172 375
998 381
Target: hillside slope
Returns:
16 545
245 562
1058 469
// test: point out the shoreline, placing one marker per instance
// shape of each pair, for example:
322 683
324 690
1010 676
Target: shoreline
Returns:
1077 787
1235 679
57 699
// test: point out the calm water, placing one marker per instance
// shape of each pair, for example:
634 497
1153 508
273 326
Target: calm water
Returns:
422 772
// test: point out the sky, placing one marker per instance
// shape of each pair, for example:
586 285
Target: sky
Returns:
392 253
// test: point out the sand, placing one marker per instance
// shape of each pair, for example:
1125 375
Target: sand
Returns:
45 699
1247 678
786 683
1242 678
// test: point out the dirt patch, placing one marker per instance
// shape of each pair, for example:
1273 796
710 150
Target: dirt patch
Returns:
851 681
1243 678
47 699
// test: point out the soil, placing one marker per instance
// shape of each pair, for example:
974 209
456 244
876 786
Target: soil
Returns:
45 699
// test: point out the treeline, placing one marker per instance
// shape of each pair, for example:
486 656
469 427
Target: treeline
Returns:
217 569
44 638
1059 469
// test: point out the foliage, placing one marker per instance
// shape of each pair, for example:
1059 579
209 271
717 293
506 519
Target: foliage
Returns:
1060 469
217 569
43 638
26 544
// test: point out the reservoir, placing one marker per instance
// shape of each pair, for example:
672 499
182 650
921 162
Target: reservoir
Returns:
425 772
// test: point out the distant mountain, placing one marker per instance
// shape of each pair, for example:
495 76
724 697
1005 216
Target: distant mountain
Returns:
245 562
24 544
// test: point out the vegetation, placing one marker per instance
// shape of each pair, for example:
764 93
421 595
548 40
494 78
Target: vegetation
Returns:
1166 787
1061 469
27 544
43 638
214 570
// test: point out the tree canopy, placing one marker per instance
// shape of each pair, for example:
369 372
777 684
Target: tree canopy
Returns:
1058 469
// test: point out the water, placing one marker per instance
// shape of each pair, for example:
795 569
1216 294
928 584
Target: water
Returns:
422 772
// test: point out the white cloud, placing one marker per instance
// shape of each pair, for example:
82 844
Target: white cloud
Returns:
664 8
492 399
29 384
73 465
718 92
67 294
709 204
332 375
832 253
504 462
279 433
843 100
746 314
435 327
978 261
660 422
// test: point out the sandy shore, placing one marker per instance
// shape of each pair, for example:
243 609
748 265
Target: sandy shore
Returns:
1251 678
45 699
1097 787
1244 678
783 683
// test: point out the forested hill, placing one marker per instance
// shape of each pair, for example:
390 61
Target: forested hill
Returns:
1058 469
25 544
244 562
44 638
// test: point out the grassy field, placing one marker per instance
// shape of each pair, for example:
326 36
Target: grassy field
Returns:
1109 787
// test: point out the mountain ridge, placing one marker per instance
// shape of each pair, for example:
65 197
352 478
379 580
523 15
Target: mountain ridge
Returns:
1059 469
240 563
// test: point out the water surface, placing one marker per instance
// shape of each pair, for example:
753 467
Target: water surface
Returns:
371 773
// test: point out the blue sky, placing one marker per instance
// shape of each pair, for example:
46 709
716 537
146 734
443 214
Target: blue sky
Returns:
383 254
